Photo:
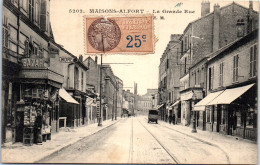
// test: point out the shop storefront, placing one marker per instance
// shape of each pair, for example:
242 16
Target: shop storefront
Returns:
176 107
162 110
206 121
90 110
36 112
10 90
234 112
189 97
68 107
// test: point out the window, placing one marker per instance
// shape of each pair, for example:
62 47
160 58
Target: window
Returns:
35 49
5 32
169 96
235 68
24 4
211 72
195 78
47 22
167 63
253 55
37 15
185 63
182 47
82 80
221 66
76 78
198 75
240 28
185 44
5 37
13 39
188 42
31 10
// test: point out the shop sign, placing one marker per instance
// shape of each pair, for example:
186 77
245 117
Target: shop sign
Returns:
33 63
66 59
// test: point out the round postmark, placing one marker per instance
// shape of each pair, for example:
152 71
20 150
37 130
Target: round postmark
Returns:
104 34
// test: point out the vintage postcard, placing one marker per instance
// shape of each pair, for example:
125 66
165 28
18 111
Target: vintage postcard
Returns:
129 81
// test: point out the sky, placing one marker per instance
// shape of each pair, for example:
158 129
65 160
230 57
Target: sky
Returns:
68 30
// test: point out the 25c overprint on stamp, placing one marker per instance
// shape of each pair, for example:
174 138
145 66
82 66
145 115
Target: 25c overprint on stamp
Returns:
120 35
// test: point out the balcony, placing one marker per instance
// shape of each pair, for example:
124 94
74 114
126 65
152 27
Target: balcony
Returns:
41 73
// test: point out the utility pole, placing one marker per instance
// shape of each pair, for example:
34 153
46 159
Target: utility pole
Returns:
100 87
116 101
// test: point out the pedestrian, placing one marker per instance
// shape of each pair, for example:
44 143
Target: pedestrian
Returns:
235 122
38 128
170 119
231 123
173 119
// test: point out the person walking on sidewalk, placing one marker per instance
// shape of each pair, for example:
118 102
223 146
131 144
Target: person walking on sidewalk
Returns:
170 119
173 119
38 128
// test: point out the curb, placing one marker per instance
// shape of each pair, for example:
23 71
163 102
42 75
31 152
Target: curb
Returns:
69 144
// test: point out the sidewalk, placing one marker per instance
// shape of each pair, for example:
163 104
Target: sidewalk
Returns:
238 150
18 153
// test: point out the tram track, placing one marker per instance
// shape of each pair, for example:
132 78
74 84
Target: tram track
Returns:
202 141
164 147
130 158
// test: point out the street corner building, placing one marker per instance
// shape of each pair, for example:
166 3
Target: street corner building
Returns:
208 74
45 88
31 77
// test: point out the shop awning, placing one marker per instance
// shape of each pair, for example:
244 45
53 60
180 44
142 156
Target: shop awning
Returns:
159 106
200 106
90 101
187 96
176 103
229 95
67 97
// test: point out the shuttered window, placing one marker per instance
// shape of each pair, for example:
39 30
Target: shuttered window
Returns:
253 56
235 68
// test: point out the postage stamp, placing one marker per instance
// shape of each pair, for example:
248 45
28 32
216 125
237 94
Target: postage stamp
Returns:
120 35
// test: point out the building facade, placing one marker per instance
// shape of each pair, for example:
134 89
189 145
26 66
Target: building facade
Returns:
232 73
119 97
129 97
202 37
111 87
169 74
31 77
74 72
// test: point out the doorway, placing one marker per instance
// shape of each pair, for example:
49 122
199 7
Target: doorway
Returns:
218 118
19 126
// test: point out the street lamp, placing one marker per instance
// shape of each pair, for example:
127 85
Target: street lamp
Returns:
194 98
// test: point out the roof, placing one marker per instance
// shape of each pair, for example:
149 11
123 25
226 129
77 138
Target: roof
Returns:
233 3
234 44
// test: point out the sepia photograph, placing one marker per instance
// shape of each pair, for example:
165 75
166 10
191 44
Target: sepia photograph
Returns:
129 81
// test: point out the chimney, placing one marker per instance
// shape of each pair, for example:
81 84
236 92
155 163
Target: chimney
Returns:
216 27
250 18
80 58
205 8
96 59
